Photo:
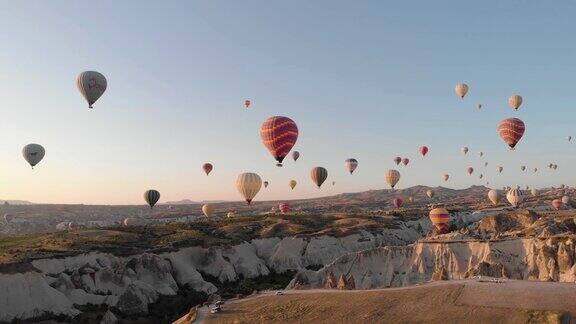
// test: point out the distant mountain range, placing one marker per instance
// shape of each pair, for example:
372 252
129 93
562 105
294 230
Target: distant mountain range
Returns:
192 202
15 202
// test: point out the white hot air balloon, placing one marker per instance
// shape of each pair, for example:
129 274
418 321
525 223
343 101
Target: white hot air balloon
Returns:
461 89
248 184
515 197
494 196
515 101
91 85
33 153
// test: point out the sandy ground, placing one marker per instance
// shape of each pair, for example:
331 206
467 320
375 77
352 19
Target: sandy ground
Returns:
438 302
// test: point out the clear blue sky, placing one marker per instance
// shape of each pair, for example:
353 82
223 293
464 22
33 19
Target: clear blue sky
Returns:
363 79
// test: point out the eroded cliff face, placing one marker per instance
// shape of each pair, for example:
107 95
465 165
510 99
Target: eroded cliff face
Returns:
128 285
551 259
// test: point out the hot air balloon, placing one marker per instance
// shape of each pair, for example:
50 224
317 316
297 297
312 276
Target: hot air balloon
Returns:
231 214
470 170
465 150
266 184
411 199
424 150
515 197
485 164
479 106
397 202
555 166
292 184
248 184
351 165
535 169
430 193
405 161
523 168
481 154
557 204
247 103
527 187
392 177
284 208
534 192
279 134
569 138
481 176
515 101
500 169
318 175
565 200
33 153
511 131
207 167
440 219
208 210
494 196
151 196
133 221
333 183
91 85
397 160
446 177
461 89
295 155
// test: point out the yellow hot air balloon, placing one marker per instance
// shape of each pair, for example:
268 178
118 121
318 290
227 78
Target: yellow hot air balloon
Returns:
461 89
494 196
248 184
392 177
292 184
515 101
208 210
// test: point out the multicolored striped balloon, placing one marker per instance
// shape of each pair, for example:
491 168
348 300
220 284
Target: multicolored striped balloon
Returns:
511 131
151 196
515 197
279 134
351 165
440 219
319 175
392 177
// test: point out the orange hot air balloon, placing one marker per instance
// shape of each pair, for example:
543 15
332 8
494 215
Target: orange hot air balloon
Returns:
295 155
284 208
511 131
557 204
397 202
405 161
470 170
279 134
424 150
440 219
397 160
207 167
247 103
318 175
392 177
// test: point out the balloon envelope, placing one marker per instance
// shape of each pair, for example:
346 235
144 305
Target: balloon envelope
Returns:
494 196
33 153
295 155
397 160
207 167
248 185
292 184
461 89
515 101
392 177
351 165
91 85
515 197
424 150
208 210
318 175
440 218
511 131
151 197
279 134
397 202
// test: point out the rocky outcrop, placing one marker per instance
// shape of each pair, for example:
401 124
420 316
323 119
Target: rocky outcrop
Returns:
131 284
525 259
